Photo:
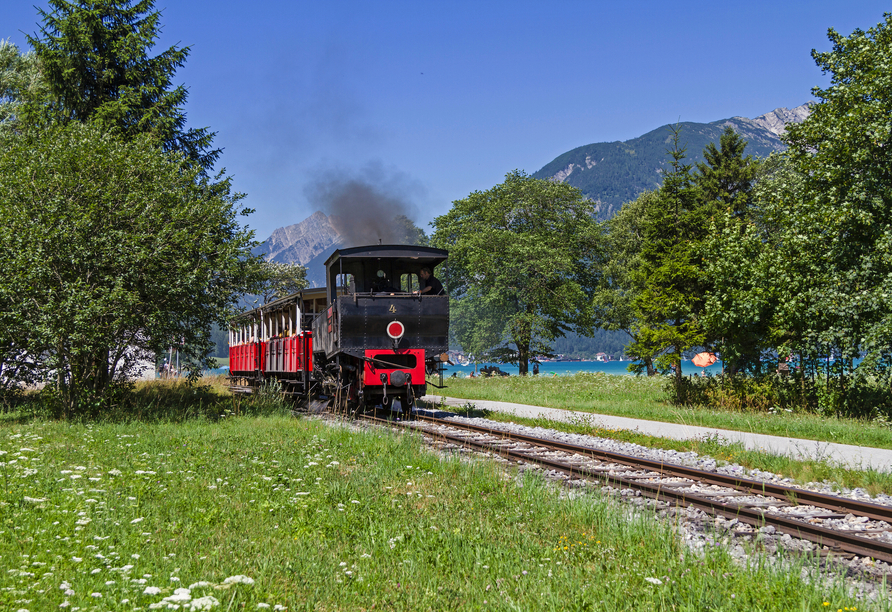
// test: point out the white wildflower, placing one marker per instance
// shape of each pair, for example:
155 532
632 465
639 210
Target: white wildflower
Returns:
137 520
34 500
179 596
656 581
95 594
238 580
83 521
262 606
115 472
151 591
199 584
203 603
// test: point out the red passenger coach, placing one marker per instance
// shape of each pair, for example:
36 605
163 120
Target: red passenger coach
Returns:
274 343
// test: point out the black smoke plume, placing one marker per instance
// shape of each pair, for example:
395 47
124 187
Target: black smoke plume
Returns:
367 207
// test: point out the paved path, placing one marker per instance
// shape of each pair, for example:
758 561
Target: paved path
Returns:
858 457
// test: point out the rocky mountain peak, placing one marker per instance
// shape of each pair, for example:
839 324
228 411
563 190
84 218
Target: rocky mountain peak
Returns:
776 121
301 242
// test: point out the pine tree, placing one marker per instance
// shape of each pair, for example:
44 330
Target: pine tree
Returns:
94 55
726 179
671 274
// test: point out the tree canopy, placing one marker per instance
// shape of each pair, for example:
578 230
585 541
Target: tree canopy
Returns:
112 251
95 60
523 265
281 279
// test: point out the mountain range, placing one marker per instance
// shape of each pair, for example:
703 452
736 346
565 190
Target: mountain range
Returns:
610 173
613 173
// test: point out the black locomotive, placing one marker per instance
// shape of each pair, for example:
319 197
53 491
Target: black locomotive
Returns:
367 338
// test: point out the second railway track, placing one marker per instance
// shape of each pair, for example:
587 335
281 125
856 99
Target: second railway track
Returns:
801 513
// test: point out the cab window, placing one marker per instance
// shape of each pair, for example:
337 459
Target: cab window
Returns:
409 283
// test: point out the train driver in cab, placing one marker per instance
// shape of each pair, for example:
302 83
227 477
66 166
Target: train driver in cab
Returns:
432 285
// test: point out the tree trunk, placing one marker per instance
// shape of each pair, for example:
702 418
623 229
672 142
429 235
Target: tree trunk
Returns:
523 358
649 364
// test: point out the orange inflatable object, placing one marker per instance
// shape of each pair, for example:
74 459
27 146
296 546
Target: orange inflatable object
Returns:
702 360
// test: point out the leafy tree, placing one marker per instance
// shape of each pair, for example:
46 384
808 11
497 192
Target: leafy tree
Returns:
752 263
524 262
112 251
94 57
843 155
622 279
409 233
807 270
281 279
20 81
726 182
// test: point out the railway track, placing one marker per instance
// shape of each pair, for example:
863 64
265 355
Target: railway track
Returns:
804 514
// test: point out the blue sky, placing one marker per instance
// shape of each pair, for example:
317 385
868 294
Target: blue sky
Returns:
439 99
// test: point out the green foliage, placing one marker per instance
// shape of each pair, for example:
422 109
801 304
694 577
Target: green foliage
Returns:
622 280
670 277
409 233
805 271
94 57
523 265
20 81
281 279
726 178
111 251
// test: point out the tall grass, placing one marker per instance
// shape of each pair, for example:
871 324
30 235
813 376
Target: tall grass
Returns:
646 398
255 512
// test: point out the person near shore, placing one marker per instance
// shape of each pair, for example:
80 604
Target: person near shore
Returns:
432 285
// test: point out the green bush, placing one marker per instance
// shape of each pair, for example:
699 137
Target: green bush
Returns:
849 397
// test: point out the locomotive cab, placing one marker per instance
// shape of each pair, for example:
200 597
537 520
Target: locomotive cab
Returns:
378 338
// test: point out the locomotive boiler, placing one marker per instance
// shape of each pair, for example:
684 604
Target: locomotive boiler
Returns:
367 338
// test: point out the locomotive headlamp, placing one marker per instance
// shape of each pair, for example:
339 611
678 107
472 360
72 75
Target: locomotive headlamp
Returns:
398 378
395 330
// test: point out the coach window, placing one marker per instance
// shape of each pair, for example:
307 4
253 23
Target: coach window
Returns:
409 283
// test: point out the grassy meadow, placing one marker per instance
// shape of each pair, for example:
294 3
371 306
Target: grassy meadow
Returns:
645 398
237 511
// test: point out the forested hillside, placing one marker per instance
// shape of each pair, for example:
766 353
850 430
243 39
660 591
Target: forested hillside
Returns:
612 173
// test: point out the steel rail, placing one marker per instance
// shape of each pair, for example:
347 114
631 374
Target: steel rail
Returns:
822 536
871 510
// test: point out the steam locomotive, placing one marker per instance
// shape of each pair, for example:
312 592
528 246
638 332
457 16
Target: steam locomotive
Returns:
364 340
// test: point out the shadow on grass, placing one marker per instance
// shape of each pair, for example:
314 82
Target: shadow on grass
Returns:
151 401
